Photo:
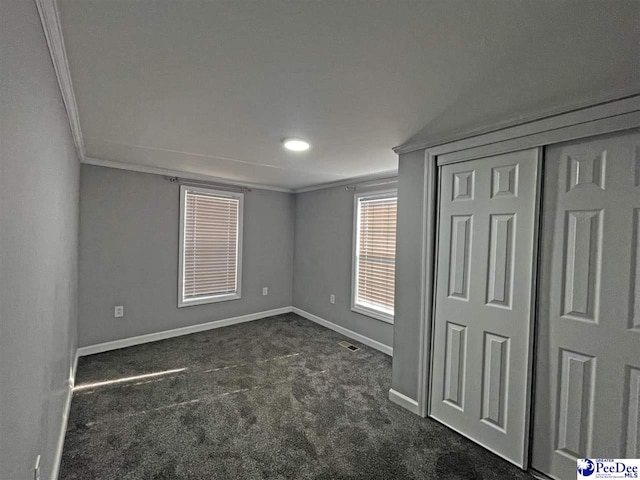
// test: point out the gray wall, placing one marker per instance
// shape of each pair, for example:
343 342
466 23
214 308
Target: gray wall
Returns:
129 231
38 247
409 281
323 261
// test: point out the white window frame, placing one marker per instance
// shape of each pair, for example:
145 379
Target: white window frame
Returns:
369 311
219 297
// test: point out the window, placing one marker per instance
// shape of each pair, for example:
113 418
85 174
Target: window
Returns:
374 259
210 246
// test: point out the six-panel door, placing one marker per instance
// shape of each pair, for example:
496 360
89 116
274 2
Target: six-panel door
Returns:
482 327
587 401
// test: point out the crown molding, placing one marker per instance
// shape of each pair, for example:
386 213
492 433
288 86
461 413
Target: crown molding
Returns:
50 18
349 181
226 181
612 101
177 173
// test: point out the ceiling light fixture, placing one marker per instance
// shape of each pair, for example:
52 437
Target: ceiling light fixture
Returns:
295 144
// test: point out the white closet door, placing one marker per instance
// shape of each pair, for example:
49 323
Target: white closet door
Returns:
482 356
587 400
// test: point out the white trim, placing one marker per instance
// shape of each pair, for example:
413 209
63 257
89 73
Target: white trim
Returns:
345 331
74 371
50 18
540 139
533 310
57 459
98 162
57 456
595 108
348 181
358 307
223 297
404 401
177 332
239 240
373 183
430 303
607 111
428 264
371 313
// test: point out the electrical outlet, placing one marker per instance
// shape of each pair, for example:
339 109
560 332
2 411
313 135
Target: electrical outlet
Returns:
332 299
118 311
36 469
265 290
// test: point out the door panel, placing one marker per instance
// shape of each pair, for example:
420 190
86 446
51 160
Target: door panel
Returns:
587 386
486 241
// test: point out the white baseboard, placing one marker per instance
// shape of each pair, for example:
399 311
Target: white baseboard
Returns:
345 331
154 337
404 401
57 459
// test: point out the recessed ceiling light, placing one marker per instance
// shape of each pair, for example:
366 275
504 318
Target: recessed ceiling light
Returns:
295 144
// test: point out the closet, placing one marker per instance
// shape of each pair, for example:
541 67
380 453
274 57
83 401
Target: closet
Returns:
532 336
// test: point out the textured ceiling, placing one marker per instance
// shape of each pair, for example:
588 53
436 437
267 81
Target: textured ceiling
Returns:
211 87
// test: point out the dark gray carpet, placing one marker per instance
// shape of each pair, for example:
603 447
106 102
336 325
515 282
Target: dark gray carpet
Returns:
276 398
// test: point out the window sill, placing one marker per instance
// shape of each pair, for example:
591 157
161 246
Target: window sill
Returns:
370 312
206 300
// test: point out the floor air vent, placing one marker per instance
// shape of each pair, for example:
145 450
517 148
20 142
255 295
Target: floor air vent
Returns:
349 346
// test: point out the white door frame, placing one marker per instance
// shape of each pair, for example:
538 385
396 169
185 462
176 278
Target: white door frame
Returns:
611 116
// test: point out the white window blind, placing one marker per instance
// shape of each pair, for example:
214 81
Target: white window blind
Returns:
375 258
211 239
